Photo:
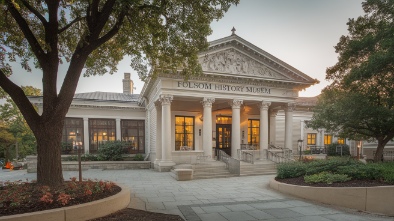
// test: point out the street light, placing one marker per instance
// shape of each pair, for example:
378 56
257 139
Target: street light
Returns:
300 145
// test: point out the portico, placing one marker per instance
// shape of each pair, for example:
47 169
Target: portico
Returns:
233 103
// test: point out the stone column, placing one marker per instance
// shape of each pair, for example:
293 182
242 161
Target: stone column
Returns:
273 114
158 134
207 126
118 130
166 159
86 140
264 126
236 127
289 125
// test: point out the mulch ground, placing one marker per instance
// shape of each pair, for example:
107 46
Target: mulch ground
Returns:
351 183
139 215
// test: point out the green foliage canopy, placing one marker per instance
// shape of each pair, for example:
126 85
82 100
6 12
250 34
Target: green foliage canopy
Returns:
359 104
92 36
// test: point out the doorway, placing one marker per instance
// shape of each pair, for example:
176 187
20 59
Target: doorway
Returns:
223 138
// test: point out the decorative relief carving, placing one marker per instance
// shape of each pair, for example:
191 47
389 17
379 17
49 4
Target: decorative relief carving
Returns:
235 63
207 102
264 105
165 99
236 103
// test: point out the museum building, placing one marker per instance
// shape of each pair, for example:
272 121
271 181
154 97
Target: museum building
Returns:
245 98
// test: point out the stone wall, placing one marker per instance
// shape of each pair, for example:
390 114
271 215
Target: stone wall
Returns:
104 165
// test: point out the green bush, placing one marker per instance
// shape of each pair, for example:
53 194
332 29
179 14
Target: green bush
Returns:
326 177
362 171
111 151
138 157
387 171
329 165
291 169
332 150
84 157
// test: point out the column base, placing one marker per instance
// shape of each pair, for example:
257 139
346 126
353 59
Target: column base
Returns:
165 166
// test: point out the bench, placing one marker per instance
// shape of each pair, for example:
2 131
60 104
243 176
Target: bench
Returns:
183 174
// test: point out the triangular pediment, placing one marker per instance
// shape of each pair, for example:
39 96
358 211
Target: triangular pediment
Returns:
234 56
233 62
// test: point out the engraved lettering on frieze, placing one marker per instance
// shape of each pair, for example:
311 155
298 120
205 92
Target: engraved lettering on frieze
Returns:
235 63
290 93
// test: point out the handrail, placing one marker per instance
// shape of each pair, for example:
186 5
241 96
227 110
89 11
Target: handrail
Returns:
279 157
245 155
233 165
224 157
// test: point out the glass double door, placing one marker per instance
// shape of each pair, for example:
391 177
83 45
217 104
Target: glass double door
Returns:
223 138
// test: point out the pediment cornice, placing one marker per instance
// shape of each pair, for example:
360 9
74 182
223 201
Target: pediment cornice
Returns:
236 56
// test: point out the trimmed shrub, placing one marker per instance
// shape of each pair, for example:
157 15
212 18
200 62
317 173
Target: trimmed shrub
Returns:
111 151
329 165
138 157
291 169
332 150
326 177
362 171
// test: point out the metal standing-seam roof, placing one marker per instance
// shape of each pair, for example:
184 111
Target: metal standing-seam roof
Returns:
107 96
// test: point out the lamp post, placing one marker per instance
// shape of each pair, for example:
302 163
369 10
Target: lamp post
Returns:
300 145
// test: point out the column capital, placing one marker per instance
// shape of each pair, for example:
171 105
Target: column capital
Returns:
166 99
264 105
289 107
236 103
207 102
273 112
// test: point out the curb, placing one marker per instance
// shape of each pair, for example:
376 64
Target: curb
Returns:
86 211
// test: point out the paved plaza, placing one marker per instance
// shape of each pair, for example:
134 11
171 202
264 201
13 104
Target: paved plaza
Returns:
232 199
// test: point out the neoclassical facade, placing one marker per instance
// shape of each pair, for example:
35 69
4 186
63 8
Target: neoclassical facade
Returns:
245 98
233 103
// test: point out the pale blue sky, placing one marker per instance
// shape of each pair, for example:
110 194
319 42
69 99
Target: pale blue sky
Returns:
302 33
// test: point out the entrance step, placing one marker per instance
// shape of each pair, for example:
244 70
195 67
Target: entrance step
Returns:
209 170
260 167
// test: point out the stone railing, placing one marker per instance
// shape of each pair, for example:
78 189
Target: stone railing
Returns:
233 165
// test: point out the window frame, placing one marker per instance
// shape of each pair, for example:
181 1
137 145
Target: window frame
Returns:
94 145
327 139
68 127
250 134
184 133
131 148
311 137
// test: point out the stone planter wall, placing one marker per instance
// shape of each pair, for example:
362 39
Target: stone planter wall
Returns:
378 199
80 212
104 165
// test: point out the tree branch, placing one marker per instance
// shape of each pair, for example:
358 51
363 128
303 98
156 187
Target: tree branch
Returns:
102 18
36 47
70 24
35 12
110 33
20 99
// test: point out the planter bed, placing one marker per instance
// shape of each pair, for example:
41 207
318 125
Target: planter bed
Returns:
378 199
80 212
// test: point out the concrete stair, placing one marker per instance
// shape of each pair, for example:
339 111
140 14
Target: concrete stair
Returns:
209 170
260 167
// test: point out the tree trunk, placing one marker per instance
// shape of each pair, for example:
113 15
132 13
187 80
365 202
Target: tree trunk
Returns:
379 151
49 166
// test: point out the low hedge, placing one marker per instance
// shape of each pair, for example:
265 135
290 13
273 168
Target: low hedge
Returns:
345 167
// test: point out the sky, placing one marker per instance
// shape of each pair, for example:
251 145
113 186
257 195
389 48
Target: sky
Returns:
301 33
